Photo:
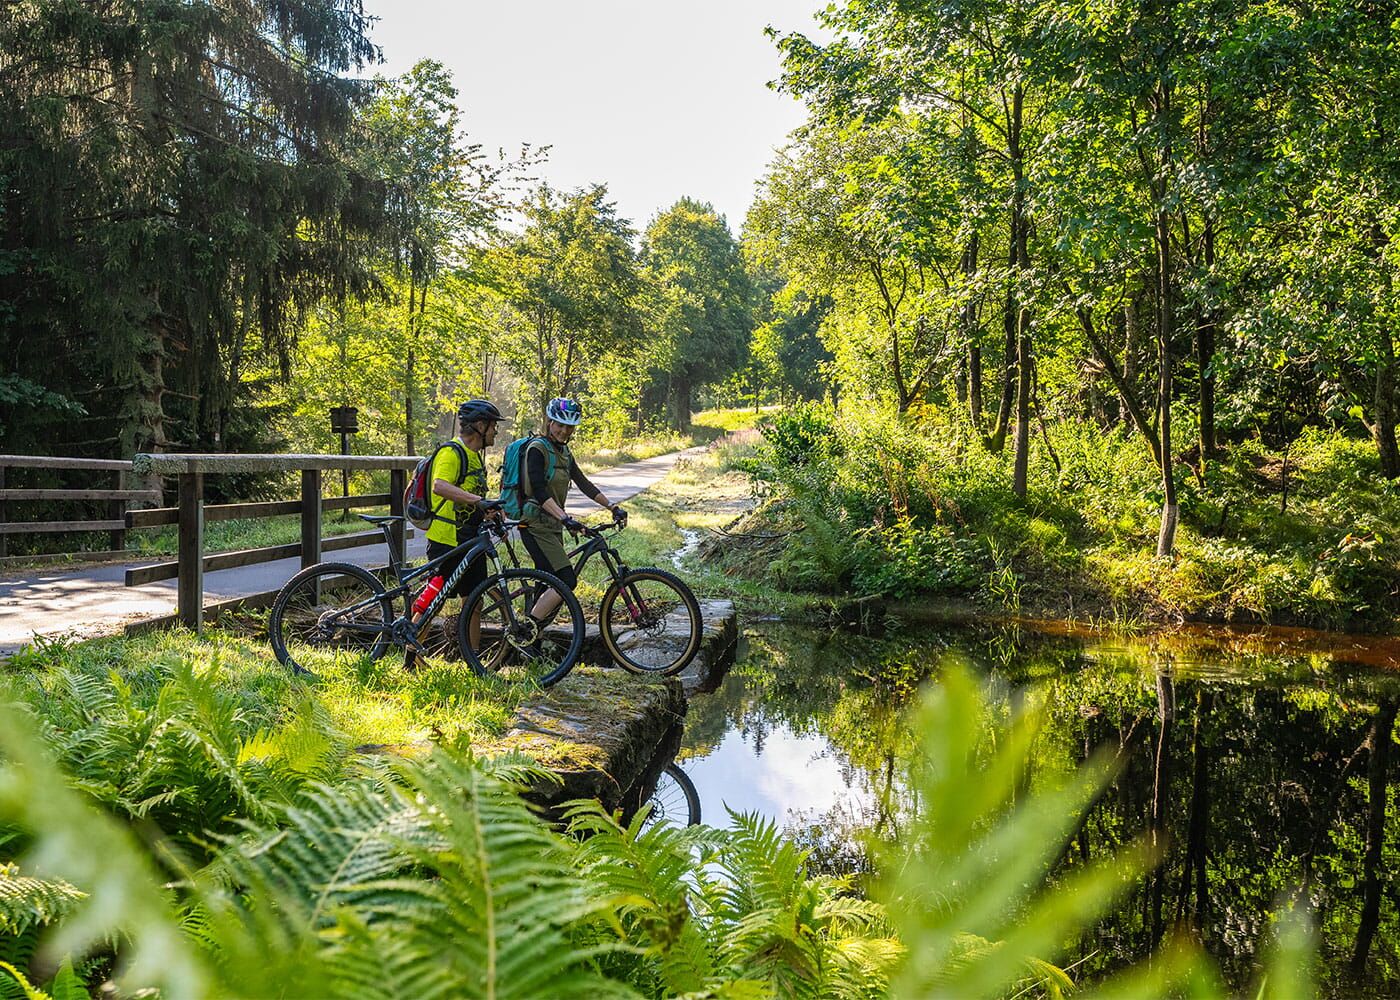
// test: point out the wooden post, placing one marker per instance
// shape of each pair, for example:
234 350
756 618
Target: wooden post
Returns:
190 604
4 517
116 510
398 482
310 517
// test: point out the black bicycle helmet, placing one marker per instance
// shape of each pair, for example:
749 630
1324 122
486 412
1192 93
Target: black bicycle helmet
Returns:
478 409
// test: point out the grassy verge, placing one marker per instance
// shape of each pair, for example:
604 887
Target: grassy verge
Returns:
352 701
682 522
246 533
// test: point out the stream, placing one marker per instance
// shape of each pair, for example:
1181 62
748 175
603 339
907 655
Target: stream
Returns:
1264 757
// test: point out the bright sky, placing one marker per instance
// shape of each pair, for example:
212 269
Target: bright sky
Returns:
658 99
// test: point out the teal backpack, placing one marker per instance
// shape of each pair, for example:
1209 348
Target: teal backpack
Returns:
514 476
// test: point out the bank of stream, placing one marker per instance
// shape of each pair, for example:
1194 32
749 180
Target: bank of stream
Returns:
1253 753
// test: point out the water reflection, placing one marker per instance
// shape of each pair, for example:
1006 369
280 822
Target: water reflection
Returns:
782 771
1253 771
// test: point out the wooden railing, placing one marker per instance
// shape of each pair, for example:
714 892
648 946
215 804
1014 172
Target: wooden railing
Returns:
191 514
116 500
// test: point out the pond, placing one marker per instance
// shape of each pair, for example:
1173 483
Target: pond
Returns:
1254 752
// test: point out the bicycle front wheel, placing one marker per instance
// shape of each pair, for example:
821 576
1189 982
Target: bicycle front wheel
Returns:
499 637
675 800
650 622
328 608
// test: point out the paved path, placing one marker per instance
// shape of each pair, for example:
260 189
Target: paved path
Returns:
91 602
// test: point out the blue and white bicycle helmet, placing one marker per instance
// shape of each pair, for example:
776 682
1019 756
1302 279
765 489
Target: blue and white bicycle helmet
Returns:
564 411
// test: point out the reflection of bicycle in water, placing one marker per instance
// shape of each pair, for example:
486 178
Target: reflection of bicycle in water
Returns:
675 800
649 619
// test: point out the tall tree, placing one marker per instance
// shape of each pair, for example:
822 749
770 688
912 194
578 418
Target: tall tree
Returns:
854 214
970 64
571 278
177 191
441 193
706 299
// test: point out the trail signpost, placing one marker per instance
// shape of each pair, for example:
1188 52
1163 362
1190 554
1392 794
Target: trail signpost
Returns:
345 421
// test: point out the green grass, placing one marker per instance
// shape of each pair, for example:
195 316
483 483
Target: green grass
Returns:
361 702
246 533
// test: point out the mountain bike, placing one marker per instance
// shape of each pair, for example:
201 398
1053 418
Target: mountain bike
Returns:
675 799
340 606
649 619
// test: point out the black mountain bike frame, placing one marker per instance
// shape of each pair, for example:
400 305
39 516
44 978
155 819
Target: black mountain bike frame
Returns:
596 545
404 630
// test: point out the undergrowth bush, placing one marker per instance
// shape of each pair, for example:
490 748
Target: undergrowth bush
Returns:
915 503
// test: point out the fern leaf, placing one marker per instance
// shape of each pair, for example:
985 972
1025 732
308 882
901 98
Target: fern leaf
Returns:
79 845
27 902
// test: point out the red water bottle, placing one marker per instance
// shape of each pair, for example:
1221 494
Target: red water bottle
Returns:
426 597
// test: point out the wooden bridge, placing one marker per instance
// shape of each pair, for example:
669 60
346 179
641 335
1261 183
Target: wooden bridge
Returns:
191 513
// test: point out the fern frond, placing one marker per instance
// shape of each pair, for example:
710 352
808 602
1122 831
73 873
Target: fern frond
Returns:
26 988
501 870
650 874
971 899
75 843
27 902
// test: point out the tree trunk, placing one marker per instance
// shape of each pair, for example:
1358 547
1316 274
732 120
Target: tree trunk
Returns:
1166 540
1206 325
1015 321
1132 340
1377 796
1021 455
997 439
1127 394
971 337
409 375
680 395
144 429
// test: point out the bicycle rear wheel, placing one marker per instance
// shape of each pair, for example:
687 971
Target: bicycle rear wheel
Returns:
650 622
508 642
327 608
675 799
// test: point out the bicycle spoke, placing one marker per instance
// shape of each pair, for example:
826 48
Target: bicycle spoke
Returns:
333 608
674 801
501 637
651 622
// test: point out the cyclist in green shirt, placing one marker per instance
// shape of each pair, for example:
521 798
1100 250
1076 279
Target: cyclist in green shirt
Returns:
544 515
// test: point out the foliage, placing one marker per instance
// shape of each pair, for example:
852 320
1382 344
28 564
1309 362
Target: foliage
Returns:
433 877
178 191
571 280
907 505
703 311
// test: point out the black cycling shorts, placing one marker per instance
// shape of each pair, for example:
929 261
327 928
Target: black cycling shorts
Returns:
475 573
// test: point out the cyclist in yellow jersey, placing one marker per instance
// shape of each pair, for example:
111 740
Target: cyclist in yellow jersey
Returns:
459 484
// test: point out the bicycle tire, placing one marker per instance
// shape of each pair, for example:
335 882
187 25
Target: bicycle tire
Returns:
674 790
498 649
300 614
666 638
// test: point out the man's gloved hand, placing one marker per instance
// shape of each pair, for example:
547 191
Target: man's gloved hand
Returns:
619 515
490 509
572 523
